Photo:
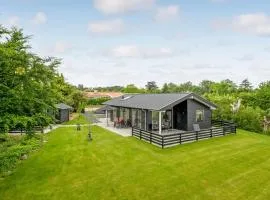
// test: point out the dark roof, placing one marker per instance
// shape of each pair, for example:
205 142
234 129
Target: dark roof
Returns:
63 106
103 109
156 101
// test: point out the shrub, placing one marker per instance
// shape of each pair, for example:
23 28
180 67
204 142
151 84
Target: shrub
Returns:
250 119
13 148
98 101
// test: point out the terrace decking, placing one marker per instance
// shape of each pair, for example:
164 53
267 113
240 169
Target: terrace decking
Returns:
219 128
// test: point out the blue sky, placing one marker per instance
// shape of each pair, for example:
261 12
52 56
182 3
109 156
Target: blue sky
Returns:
108 42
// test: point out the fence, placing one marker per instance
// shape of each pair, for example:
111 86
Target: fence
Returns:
220 128
35 129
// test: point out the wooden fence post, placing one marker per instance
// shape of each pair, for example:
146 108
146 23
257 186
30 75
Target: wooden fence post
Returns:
197 133
211 132
234 129
132 130
223 128
150 138
180 138
140 134
162 142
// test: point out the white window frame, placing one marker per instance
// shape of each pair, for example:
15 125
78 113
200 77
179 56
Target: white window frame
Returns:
197 114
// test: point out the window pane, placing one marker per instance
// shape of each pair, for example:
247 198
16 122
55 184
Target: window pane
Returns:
199 115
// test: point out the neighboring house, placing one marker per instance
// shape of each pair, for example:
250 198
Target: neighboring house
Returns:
96 95
103 109
63 112
157 112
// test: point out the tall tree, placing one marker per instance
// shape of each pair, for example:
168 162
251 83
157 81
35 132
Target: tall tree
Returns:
245 86
205 86
151 86
131 88
29 84
165 88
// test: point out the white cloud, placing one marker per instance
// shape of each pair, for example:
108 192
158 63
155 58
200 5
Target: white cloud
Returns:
257 23
254 23
134 51
126 51
61 47
246 57
40 18
13 21
122 6
167 13
115 26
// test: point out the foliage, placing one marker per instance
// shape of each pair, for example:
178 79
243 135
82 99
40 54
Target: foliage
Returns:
113 167
262 95
245 86
249 118
30 86
97 101
80 119
131 88
151 86
13 147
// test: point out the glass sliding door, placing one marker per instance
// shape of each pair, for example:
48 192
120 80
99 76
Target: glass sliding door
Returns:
143 119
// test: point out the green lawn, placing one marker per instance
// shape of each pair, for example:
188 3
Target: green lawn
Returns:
79 119
113 167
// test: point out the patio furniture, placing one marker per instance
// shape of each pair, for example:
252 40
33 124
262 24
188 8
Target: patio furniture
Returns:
128 123
155 125
166 125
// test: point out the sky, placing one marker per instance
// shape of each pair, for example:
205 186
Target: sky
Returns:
118 42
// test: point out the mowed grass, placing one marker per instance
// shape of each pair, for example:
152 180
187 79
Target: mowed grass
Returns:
114 167
79 119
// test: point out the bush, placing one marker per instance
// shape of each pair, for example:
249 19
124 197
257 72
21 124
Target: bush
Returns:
250 119
98 101
13 147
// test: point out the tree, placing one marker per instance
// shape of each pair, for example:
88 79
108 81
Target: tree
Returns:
245 86
131 88
30 86
224 87
205 86
165 88
151 86
262 95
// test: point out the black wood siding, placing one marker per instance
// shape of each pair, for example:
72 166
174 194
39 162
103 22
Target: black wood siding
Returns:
192 106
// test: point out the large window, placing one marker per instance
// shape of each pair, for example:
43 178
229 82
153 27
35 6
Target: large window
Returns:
199 115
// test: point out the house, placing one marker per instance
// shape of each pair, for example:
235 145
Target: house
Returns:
63 112
158 112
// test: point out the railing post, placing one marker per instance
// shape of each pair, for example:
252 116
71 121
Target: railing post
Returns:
223 128
211 132
132 130
140 134
197 135
150 138
180 138
162 142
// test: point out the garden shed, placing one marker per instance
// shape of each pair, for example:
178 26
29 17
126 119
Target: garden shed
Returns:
63 112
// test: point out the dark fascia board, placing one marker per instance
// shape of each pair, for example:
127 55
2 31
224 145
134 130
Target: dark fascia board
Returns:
194 97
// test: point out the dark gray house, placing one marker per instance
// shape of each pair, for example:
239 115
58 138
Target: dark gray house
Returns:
158 112
63 112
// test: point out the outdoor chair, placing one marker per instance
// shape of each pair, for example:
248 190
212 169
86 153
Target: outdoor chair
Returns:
128 123
155 125
166 125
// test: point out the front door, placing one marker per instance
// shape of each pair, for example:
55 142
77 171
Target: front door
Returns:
180 116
